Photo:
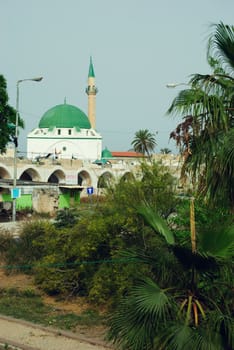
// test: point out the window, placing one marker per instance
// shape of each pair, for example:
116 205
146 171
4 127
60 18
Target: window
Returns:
59 131
69 131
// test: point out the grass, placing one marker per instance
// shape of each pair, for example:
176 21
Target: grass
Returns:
29 306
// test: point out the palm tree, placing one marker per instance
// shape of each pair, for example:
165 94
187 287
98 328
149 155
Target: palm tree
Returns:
185 302
165 150
144 142
205 136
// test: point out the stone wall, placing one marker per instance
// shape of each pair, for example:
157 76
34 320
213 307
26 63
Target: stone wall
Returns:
45 200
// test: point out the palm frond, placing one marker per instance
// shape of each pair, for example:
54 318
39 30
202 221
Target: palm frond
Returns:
220 176
224 41
183 101
140 316
218 243
156 222
182 337
189 259
224 325
151 302
128 332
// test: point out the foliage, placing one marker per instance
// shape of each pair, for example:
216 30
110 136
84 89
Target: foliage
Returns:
7 117
70 258
154 184
66 218
206 216
189 305
20 304
165 150
205 136
144 142
76 258
21 252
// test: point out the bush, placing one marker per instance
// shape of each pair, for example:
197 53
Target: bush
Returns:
29 247
66 218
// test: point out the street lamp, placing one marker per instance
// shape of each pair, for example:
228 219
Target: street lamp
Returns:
14 195
173 85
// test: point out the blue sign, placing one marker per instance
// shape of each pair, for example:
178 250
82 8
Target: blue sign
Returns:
89 190
15 193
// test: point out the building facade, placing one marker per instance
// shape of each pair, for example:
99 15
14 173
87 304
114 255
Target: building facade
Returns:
65 160
66 132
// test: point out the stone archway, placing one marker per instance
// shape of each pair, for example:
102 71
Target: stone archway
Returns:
30 174
128 176
105 180
83 178
4 174
58 176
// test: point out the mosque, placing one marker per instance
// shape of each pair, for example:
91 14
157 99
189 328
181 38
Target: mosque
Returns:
65 160
65 131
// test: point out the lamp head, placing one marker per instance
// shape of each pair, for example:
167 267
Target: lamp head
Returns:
172 85
37 79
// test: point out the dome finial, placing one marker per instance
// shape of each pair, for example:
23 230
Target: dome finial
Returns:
65 100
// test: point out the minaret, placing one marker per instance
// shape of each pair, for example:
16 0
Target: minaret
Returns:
91 91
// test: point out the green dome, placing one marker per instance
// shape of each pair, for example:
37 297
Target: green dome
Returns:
106 153
64 116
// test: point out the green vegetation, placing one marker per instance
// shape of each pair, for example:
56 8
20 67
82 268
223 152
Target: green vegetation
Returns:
159 263
138 256
7 117
185 300
144 142
66 218
206 134
71 261
165 150
29 306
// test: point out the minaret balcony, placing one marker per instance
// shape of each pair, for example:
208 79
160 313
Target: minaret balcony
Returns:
91 90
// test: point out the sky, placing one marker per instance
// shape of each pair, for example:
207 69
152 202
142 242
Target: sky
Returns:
137 47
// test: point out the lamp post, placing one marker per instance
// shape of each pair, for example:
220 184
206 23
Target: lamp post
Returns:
173 85
16 143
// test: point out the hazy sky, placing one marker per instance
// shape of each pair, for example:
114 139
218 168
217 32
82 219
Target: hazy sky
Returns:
138 46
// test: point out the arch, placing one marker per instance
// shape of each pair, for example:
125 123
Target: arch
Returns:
105 179
58 176
128 176
4 173
84 178
30 174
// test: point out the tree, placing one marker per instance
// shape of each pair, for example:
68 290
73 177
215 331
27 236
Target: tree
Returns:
81 252
144 142
7 117
205 136
185 302
165 150
155 184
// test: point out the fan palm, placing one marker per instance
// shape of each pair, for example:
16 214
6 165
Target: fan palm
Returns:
205 136
182 304
144 142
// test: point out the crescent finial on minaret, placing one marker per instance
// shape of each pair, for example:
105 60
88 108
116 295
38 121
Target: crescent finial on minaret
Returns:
91 70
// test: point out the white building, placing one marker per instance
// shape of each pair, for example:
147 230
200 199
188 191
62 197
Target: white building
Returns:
66 132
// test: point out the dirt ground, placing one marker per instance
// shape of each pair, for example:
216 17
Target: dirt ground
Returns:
18 334
22 282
